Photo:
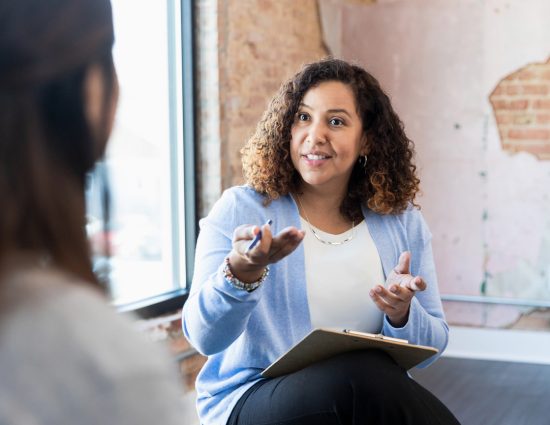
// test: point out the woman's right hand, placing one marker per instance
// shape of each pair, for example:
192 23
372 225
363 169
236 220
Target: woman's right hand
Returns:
248 266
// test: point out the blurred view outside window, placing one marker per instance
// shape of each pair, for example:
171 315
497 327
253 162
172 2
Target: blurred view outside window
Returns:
144 160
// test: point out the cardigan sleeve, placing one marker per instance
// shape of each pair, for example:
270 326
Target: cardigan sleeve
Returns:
216 313
426 324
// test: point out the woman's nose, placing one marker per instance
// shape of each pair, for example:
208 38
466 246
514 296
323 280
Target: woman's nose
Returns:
317 134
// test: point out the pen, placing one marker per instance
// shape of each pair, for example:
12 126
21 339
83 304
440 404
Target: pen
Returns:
258 237
377 336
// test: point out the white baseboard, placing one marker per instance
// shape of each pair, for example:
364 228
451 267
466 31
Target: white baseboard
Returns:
499 344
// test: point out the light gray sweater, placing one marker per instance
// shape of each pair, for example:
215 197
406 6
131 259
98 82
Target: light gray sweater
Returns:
66 357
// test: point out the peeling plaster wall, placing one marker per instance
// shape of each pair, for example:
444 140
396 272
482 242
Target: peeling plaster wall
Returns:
450 68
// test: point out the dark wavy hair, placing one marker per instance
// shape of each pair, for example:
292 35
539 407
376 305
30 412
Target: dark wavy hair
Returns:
388 183
47 146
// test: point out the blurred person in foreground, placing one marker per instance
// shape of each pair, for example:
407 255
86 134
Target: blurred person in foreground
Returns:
66 357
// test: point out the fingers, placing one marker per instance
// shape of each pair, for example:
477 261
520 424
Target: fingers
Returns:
401 274
245 232
269 248
412 283
393 295
265 242
258 250
403 266
416 284
378 298
285 243
394 302
254 248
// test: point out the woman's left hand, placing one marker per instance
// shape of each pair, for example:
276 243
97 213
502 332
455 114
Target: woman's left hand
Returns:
395 299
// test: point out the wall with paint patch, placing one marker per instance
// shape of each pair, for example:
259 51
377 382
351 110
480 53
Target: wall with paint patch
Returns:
471 82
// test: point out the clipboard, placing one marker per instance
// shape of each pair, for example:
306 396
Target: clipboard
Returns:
321 344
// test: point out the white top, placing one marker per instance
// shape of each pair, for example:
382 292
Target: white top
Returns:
339 278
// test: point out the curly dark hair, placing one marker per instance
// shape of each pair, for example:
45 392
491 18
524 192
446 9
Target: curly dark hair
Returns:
388 183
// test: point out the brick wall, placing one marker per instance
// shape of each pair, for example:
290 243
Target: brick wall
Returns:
521 104
259 44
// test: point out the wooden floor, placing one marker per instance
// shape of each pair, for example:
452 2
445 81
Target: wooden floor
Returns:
483 392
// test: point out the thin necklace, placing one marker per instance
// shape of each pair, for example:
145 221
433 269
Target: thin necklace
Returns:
319 238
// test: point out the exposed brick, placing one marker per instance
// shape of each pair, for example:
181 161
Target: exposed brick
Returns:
540 149
190 368
526 74
541 89
541 104
179 345
255 57
523 119
519 104
530 134
511 104
497 91
538 319
512 90
504 119
543 119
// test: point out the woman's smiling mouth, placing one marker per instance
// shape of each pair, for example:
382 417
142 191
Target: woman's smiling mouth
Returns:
317 158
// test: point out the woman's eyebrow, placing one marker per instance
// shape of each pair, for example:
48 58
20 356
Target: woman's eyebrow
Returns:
330 111
339 111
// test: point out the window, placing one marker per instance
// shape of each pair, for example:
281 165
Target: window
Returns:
150 155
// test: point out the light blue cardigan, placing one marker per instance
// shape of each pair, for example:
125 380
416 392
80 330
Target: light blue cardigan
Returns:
242 333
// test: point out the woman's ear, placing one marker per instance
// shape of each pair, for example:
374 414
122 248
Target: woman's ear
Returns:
93 96
365 146
100 112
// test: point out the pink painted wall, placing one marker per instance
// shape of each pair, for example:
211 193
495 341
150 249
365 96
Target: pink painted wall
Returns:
488 207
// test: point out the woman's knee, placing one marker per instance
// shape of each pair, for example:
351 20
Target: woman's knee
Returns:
367 372
365 364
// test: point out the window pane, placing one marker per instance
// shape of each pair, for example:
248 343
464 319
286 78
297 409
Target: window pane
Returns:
143 160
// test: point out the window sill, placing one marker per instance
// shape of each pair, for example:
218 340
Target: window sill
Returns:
157 305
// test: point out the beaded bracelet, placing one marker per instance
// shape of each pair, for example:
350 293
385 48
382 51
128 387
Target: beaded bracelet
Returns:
249 287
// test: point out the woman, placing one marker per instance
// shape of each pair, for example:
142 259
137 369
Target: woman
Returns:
331 166
66 357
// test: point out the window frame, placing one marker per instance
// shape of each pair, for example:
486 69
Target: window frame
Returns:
173 300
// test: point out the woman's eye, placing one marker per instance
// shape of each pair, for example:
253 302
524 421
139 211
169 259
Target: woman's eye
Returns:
303 117
336 122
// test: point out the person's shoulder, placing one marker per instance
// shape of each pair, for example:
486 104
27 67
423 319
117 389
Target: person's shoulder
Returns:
63 324
410 219
410 214
231 203
242 193
413 221
242 204
246 200
70 317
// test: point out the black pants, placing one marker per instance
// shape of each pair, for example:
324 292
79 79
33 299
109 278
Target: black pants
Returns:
357 388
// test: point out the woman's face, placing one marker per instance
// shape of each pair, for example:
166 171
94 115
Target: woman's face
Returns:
327 136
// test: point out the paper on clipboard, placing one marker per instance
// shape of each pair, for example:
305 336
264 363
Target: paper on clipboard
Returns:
321 344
